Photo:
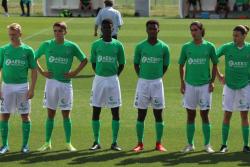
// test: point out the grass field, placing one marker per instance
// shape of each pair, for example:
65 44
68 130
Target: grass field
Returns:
175 33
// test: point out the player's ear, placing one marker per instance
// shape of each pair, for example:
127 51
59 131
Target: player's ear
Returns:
65 32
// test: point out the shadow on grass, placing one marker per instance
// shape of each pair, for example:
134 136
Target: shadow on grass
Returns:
195 158
129 158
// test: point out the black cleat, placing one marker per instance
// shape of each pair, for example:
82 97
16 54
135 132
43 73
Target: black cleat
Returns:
115 147
95 146
246 149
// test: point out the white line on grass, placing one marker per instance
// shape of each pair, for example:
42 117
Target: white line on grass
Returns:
42 31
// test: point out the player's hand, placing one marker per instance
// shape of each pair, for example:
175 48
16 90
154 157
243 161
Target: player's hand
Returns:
221 78
211 87
95 34
47 74
30 94
183 87
70 74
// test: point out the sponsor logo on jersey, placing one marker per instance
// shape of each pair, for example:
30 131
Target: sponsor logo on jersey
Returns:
105 59
237 64
151 60
15 62
197 61
58 60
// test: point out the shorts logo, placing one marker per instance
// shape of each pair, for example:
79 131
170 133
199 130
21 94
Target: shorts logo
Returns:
16 62
58 60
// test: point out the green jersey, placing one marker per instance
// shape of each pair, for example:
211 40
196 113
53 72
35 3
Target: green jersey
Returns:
197 61
59 57
236 64
107 56
15 62
151 59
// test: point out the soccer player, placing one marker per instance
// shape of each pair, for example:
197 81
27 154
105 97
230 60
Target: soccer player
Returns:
15 60
151 60
59 54
197 84
235 82
5 7
109 13
108 59
28 5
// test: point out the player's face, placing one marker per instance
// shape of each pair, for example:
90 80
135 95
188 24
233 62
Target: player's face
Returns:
152 30
196 32
59 32
14 35
238 37
107 29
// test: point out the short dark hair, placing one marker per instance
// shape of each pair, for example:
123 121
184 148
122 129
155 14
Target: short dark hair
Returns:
199 25
61 24
152 22
108 2
242 28
107 21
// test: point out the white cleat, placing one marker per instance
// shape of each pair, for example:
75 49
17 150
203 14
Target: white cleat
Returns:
70 147
188 148
45 147
208 149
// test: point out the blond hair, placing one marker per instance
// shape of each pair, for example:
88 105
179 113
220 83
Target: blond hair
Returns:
15 26
61 24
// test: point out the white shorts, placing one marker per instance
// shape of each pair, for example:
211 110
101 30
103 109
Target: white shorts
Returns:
197 96
58 94
149 92
106 92
235 100
15 98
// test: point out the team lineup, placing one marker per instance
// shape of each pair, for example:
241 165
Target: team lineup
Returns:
151 62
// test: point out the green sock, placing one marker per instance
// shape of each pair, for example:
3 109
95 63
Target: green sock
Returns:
245 133
67 129
4 132
190 133
96 130
225 131
206 128
49 129
26 132
159 130
140 131
115 130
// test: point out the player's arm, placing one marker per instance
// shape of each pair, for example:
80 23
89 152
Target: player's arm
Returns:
77 70
220 51
44 73
33 78
137 69
165 68
120 69
182 72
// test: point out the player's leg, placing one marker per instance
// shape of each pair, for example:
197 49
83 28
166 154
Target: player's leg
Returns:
67 129
49 126
115 128
159 126
4 127
142 113
28 5
26 126
96 127
225 130
245 130
22 8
